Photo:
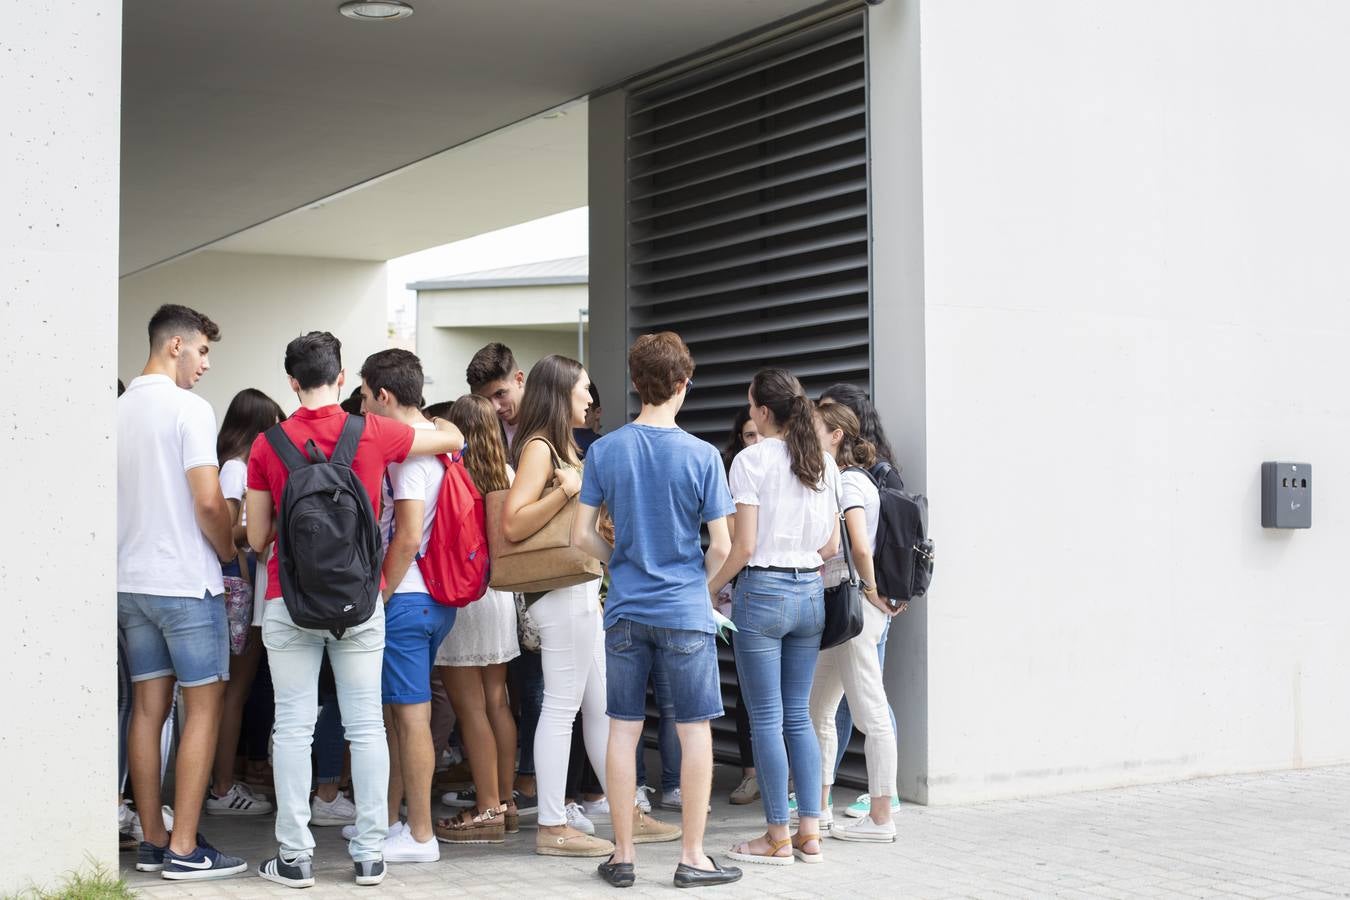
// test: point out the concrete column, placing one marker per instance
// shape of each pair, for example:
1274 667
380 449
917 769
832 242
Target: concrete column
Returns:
899 362
608 362
60 66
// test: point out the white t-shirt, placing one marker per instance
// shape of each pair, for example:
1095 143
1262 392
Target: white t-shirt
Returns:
419 478
858 492
233 479
794 520
162 432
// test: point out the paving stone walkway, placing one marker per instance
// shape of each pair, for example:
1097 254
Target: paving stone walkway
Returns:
1277 835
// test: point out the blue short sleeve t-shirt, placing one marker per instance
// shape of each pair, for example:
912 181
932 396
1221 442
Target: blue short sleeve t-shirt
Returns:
659 485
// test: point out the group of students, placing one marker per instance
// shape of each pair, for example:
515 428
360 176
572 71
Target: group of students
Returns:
197 543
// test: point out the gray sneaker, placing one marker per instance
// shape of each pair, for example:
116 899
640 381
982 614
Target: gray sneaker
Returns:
298 874
370 871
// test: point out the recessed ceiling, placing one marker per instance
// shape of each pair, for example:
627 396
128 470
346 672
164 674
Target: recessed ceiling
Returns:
234 113
522 172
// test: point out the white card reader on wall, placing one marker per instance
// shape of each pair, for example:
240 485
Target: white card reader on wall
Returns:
1286 495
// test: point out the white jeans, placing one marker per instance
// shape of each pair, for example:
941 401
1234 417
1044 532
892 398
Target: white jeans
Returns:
294 655
572 650
852 669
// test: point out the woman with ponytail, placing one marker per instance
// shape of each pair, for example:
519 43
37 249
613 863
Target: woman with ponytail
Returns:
786 489
853 669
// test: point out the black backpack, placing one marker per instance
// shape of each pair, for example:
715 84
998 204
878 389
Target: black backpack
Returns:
327 538
903 555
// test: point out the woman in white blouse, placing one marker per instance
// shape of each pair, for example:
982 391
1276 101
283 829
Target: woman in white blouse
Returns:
785 488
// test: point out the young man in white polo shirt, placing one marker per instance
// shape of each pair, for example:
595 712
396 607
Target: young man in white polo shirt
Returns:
173 530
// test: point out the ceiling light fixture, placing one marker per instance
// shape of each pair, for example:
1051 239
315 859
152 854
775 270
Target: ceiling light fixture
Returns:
375 10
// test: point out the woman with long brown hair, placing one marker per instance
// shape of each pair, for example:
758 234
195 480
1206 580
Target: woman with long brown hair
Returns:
472 659
572 646
249 414
853 669
785 488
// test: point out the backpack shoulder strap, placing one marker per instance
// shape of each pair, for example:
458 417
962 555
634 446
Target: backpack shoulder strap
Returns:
870 477
285 448
344 454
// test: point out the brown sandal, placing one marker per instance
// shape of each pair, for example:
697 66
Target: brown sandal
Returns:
764 859
485 828
799 853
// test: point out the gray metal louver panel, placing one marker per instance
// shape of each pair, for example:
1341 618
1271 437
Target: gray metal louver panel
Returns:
748 230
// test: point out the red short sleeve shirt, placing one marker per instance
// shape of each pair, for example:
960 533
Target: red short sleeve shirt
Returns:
383 442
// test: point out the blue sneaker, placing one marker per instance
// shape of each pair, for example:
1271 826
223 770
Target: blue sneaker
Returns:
863 806
149 858
202 863
298 874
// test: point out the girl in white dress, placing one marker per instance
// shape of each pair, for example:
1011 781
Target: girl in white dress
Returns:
472 659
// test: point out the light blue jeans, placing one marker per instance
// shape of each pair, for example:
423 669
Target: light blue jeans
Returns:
779 617
294 655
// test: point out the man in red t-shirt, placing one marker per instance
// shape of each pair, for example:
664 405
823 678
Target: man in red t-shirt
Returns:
314 364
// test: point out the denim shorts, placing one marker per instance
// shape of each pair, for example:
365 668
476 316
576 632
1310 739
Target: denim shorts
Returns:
414 626
690 659
183 637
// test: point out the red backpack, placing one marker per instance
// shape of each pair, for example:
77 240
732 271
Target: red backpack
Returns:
455 566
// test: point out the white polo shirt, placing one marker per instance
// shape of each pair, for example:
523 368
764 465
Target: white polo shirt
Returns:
162 432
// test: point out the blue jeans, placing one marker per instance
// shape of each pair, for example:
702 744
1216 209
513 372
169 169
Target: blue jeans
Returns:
295 654
779 617
526 676
329 744
667 741
843 719
186 637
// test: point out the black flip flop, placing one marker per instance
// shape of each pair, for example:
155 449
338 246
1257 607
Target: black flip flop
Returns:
688 876
617 874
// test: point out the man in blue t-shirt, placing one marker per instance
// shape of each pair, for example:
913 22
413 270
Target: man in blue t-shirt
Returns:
660 484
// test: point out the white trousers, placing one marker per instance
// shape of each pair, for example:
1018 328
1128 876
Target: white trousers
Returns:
852 669
572 650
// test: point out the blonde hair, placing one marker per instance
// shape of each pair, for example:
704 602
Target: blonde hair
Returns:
484 449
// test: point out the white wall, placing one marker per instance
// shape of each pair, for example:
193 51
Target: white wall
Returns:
1136 290
898 360
445 352
260 303
58 252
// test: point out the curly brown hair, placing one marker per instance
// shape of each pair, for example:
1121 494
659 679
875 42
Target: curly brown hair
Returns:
484 449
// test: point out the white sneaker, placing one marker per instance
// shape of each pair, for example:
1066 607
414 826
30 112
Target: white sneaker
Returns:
404 848
641 800
826 819
338 811
239 800
139 834
577 819
674 799
125 817
349 831
866 830
595 808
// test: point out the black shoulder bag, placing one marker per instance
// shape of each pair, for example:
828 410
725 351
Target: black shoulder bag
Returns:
843 602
